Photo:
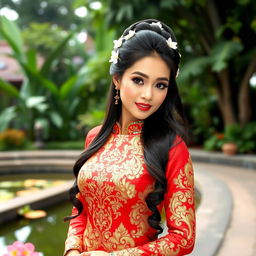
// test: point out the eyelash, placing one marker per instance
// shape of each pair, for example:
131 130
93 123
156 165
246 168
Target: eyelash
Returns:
138 80
163 86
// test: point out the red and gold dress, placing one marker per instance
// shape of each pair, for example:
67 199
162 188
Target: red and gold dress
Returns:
113 185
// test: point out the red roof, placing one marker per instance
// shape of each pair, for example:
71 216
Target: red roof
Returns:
9 68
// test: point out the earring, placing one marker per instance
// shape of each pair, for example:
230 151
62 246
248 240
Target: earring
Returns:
116 97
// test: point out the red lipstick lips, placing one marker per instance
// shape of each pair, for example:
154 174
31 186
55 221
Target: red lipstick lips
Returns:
143 106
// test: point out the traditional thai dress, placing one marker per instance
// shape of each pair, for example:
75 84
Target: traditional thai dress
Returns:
114 184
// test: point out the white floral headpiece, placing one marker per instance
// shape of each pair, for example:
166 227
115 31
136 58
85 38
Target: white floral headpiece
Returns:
171 43
118 43
157 24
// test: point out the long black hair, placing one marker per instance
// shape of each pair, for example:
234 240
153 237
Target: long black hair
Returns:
161 128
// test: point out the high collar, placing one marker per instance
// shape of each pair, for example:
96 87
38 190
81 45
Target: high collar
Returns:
133 128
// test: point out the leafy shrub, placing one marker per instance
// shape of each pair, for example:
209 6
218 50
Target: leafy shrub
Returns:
244 137
214 142
12 139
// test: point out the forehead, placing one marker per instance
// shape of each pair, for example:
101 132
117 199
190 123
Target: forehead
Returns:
153 66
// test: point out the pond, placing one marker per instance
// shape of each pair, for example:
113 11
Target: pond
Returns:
18 185
48 234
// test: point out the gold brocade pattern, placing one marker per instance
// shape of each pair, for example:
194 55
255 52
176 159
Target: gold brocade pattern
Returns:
133 128
129 252
114 184
73 242
182 215
139 213
185 194
112 172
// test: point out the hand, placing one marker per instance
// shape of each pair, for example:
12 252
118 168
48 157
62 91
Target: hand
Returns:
94 253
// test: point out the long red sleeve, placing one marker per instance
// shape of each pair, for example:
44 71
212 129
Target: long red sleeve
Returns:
77 225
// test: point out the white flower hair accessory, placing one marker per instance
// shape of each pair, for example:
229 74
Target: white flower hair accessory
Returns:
171 44
130 34
118 43
157 24
114 57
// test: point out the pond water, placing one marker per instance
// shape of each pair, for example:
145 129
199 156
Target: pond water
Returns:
48 234
18 185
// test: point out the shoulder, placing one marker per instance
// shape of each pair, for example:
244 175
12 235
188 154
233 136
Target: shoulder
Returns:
178 157
91 135
179 147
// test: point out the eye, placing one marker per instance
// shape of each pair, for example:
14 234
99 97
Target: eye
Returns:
137 80
161 86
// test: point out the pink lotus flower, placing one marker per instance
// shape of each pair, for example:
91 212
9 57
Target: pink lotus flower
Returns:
20 249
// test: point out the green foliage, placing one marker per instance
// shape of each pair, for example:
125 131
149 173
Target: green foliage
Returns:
56 12
49 37
57 106
6 116
9 88
222 52
214 142
91 119
40 98
65 145
194 67
244 137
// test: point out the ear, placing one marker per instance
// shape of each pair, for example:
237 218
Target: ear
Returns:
116 81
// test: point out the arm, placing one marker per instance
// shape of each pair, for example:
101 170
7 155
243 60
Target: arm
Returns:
179 208
74 241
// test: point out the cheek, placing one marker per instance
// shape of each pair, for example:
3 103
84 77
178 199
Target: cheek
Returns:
161 97
126 92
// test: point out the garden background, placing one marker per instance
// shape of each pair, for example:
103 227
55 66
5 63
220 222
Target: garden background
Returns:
62 48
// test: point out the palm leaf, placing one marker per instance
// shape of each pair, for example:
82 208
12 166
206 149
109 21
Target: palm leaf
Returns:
38 78
194 67
67 87
223 52
11 33
6 117
55 53
9 88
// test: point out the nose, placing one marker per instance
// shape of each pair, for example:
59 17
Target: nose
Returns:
147 93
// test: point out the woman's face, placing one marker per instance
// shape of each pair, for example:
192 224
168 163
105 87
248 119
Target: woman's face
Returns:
143 88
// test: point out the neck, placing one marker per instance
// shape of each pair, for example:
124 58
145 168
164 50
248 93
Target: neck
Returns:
124 124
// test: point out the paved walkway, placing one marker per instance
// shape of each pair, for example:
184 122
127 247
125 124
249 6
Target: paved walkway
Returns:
240 239
226 226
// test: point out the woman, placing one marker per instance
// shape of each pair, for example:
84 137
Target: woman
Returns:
136 166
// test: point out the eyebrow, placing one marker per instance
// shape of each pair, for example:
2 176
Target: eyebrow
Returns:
146 76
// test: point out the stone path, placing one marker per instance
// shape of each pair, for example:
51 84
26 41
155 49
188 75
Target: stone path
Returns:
240 238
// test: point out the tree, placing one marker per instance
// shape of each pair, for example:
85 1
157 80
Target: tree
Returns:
218 38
